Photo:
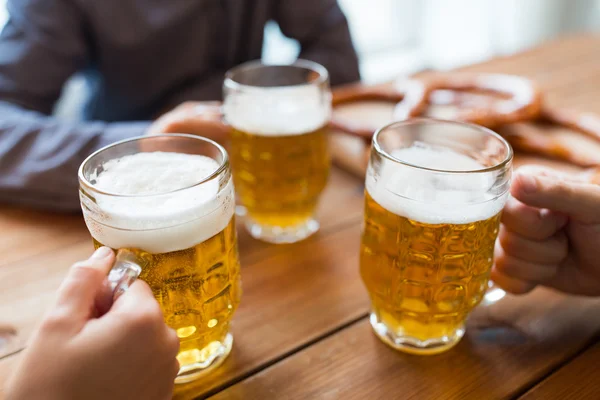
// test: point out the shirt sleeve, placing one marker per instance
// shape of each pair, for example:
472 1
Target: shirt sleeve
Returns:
322 30
42 45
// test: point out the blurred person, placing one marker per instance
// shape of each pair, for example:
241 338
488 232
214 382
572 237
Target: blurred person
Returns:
140 58
550 234
88 348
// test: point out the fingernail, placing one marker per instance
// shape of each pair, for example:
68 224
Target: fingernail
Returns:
101 253
528 183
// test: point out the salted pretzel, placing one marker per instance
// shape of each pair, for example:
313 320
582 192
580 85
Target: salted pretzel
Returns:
545 144
584 122
351 94
515 99
413 95
529 141
522 100
594 175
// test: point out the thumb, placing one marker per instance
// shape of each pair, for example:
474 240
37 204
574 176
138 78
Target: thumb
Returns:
557 192
76 300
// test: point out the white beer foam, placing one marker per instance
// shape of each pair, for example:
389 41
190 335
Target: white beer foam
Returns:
434 197
152 214
278 111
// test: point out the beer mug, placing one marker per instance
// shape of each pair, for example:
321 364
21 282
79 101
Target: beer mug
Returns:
278 116
166 203
434 193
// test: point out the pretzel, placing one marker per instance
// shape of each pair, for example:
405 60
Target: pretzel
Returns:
350 153
523 100
531 142
413 95
547 146
352 94
587 123
594 175
516 99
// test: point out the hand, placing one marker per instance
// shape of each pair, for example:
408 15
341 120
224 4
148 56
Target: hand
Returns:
78 353
194 117
550 234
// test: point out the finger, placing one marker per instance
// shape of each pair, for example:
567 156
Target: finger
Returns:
550 251
512 285
520 269
77 294
138 296
215 130
165 381
571 279
174 369
173 343
104 299
199 106
532 223
558 192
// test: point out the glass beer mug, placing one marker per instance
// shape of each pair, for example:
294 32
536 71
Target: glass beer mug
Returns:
279 116
166 204
434 193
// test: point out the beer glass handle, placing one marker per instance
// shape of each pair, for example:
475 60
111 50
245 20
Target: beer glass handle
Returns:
125 271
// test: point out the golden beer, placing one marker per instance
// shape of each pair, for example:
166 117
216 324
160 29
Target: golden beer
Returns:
175 213
279 179
424 278
198 290
279 116
434 194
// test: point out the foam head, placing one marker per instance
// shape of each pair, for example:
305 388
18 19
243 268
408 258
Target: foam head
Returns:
278 111
159 207
435 197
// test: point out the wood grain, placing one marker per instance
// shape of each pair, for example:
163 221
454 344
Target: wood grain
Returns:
289 300
41 247
564 82
300 331
28 233
578 380
511 345
272 306
507 347
28 286
341 203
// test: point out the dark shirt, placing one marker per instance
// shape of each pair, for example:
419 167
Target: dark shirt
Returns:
140 58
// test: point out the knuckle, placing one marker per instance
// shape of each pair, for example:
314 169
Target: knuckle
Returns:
521 287
175 369
501 265
152 314
561 188
81 273
561 245
55 320
83 270
547 272
146 319
509 266
171 126
172 342
509 242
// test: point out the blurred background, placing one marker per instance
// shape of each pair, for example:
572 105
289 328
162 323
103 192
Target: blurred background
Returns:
399 37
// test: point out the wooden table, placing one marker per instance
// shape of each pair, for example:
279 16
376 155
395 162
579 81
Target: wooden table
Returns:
302 330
